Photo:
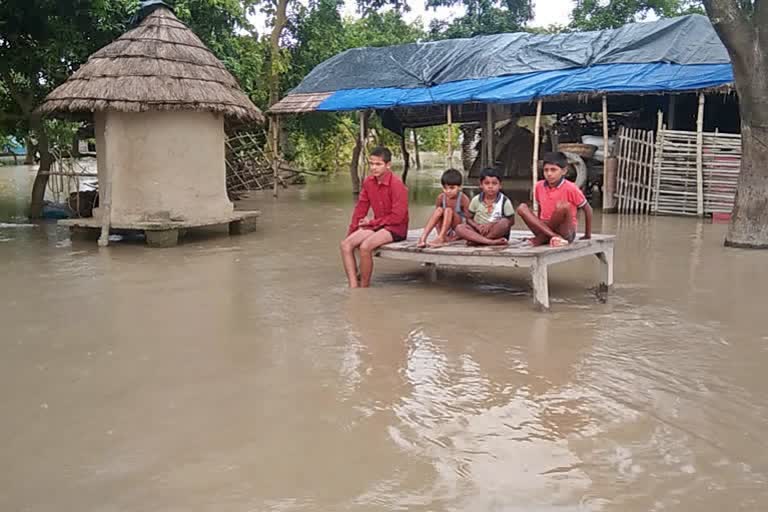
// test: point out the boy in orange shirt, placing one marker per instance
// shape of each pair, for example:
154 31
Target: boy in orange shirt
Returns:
559 200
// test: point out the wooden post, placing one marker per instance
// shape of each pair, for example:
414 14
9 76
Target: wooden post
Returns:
540 284
535 164
490 160
275 153
700 157
105 201
607 197
106 207
605 128
406 156
672 114
363 134
450 136
416 148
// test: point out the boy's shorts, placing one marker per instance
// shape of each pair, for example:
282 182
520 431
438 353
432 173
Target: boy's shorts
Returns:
395 237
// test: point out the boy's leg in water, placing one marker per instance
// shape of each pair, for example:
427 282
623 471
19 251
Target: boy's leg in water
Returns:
348 246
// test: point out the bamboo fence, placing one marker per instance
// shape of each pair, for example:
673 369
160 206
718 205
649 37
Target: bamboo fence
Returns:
689 167
634 180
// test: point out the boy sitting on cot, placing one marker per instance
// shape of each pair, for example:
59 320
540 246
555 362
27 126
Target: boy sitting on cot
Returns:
491 214
450 211
558 201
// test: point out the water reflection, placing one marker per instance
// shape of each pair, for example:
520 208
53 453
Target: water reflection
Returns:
241 374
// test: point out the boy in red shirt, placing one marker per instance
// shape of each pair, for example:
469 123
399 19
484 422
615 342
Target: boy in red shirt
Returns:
559 200
387 195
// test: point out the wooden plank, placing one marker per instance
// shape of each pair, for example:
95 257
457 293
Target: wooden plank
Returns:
700 157
515 249
515 256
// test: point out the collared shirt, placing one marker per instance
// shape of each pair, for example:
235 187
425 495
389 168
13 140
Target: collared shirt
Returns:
564 192
389 200
484 214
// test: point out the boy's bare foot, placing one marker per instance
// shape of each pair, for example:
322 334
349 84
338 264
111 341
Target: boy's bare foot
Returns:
500 241
437 242
422 243
557 241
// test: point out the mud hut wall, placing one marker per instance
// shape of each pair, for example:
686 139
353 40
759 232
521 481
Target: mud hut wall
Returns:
167 162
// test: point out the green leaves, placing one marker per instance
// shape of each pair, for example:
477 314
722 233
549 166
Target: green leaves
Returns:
482 17
597 15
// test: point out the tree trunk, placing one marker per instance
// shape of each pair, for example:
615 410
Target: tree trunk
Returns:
416 148
354 171
29 159
274 51
741 28
749 221
275 66
406 157
41 180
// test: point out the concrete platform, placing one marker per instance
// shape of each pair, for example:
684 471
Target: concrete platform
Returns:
164 233
516 255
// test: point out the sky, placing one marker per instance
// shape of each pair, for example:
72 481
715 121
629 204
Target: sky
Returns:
546 12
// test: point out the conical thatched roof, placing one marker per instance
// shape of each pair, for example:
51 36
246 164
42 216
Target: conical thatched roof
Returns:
159 65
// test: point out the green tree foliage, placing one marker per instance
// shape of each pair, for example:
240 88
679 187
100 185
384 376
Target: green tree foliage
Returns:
597 14
481 17
317 32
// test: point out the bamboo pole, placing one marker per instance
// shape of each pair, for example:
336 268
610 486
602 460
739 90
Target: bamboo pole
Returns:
658 155
490 160
621 149
649 182
606 195
275 152
535 163
700 157
363 169
450 136
605 128
416 148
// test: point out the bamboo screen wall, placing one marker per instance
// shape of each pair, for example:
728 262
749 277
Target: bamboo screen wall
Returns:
678 173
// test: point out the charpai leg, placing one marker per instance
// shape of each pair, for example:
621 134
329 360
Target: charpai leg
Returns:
540 284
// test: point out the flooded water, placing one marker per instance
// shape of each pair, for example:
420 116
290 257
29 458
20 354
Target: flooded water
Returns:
240 374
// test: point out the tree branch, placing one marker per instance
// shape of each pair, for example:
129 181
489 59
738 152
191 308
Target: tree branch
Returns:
24 102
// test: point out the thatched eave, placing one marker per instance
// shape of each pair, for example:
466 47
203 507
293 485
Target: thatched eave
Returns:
160 65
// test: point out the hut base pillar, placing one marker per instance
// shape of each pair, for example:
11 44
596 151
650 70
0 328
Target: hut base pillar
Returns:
169 238
243 226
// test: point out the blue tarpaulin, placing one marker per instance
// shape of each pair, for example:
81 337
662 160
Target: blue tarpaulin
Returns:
672 55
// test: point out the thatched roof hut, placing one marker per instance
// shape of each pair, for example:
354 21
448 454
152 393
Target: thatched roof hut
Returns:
159 100
160 65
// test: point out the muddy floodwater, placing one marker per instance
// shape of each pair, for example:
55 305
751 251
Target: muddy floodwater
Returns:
240 374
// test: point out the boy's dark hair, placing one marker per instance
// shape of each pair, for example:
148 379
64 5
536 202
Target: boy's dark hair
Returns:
556 158
383 153
451 177
489 172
